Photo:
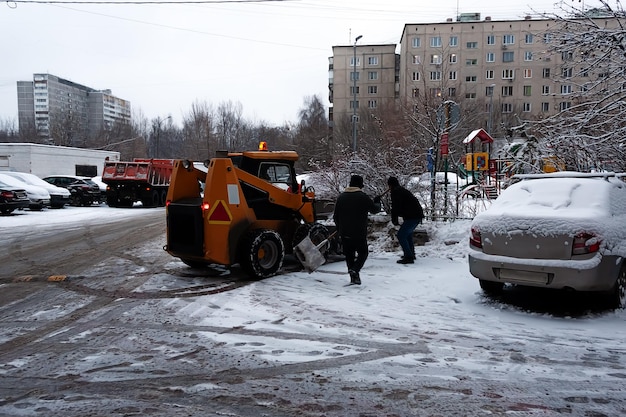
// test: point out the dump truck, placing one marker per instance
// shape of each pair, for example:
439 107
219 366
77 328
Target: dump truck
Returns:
243 208
144 180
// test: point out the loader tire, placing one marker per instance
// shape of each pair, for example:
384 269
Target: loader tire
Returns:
261 253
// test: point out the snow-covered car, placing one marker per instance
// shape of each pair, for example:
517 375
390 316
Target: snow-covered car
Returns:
563 230
59 196
39 197
12 198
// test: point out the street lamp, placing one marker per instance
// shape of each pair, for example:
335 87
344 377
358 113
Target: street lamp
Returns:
158 135
491 87
354 76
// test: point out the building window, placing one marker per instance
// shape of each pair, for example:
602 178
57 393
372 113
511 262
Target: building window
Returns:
435 42
567 72
470 79
491 40
354 76
451 92
528 39
545 90
372 75
528 73
354 90
507 108
416 76
454 41
453 58
567 55
526 108
507 91
358 61
564 105
489 90
566 89
547 37
546 73
508 56
416 42
452 75
527 90
435 59
545 107
372 89
489 74
372 60
470 95
508 74
528 56
435 92
372 104
471 45
491 57
354 104
417 60
470 62
416 92
435 75
508 39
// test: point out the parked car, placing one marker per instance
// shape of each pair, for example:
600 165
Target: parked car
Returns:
563 230
103 187
84 192
39 197
12 198
59 196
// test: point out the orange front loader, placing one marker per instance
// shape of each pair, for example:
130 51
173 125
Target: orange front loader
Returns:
244 208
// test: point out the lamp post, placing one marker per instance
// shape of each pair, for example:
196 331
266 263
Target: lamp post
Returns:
158 135
491 87
354 76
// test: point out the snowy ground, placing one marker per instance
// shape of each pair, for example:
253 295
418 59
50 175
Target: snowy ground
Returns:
485 356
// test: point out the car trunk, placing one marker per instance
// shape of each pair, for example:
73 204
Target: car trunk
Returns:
527 245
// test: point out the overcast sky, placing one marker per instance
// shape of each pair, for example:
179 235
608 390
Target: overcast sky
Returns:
268 56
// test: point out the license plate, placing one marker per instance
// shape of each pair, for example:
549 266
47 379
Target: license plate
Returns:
523 276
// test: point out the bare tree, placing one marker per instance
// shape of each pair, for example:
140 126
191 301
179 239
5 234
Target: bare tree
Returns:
312 134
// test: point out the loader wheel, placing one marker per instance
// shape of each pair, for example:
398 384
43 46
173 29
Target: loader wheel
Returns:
262 253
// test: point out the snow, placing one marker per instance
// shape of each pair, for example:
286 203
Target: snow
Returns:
435 306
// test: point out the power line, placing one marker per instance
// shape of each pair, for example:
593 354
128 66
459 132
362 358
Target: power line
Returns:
15 2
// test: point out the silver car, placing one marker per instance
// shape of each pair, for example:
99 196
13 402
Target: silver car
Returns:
59 196
563 230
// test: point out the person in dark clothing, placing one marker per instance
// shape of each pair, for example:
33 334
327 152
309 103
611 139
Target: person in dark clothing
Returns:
404 204
351 213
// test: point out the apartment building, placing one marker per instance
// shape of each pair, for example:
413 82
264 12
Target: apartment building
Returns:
50 101
504 66
362 76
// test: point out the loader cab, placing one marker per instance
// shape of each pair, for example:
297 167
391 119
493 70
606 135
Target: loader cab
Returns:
275 167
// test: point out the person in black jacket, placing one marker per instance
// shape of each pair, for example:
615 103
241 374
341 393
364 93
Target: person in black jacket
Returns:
404 204
351 214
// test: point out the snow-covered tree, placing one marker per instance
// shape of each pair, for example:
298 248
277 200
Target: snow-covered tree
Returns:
589 132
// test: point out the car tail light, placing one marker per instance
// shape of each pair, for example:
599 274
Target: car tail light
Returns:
475 238
585 243
7 194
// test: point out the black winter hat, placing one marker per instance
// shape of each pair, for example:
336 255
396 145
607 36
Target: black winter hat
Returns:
393 182
356 181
